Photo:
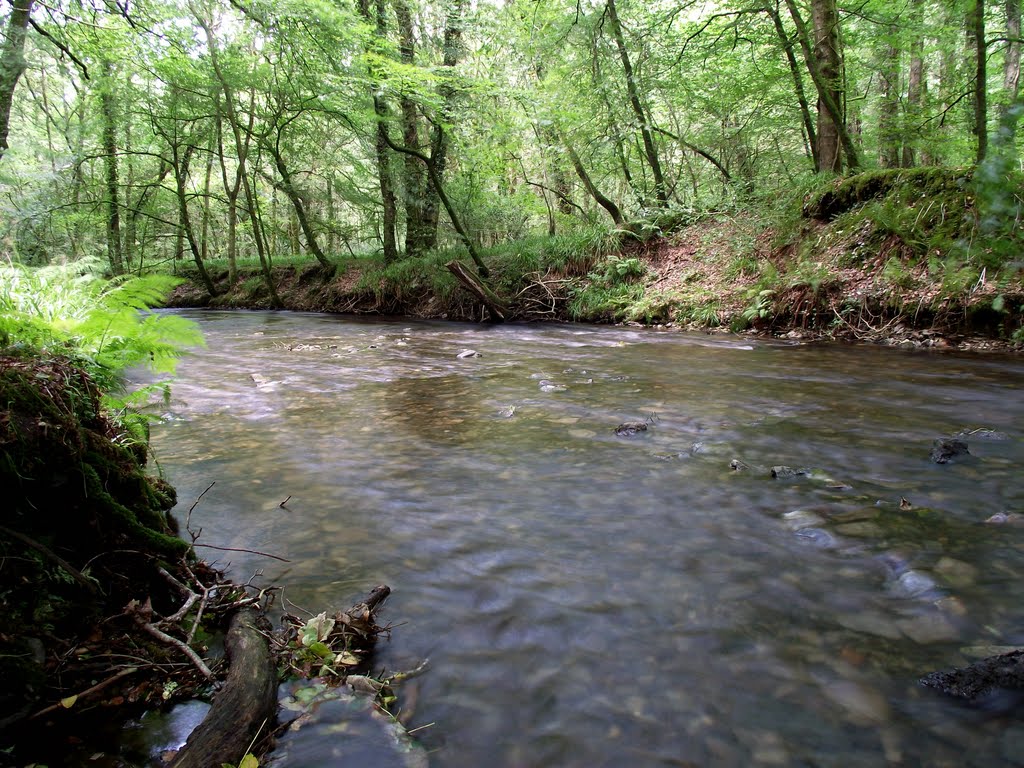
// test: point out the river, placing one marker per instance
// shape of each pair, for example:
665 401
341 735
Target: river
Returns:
592 599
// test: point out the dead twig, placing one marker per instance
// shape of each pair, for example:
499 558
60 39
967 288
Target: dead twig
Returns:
240 549
87 692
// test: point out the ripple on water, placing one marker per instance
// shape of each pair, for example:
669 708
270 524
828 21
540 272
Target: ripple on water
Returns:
585 602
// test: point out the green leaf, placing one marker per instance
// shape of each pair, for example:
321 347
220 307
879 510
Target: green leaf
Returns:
249 761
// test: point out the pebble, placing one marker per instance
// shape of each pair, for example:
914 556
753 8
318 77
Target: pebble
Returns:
913 584
871 624
956 572
860 529
928 628
862 705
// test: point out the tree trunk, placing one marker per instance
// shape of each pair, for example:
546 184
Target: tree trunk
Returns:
389 222
12 63
231 190
889 107
439 142
1011 64
593 191
825 65
417 186
916 84
810 134
108 112
650 149
976 34
181 162
242 148
298 205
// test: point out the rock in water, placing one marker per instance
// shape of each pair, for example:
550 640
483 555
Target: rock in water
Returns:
630 428
467 353
945 449
990 681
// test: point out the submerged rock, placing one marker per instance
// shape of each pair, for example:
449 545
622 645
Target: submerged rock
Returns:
945 450
783 471
467 353
997 680
630 428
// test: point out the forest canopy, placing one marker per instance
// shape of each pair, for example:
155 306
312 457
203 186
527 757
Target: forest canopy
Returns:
159 130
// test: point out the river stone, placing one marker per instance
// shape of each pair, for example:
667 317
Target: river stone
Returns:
955 572
817 537
801 518
927 628
864 529
981 681
870 624
863 705
945 450
853 515
913 584
630 428
467 353
783 471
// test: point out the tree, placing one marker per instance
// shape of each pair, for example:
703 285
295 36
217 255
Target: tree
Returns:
12 63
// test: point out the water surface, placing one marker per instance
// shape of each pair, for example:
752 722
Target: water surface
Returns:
587 599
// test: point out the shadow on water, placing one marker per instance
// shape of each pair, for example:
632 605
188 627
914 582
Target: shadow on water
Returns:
588 599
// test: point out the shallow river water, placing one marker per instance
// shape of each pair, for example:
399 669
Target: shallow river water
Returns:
589 599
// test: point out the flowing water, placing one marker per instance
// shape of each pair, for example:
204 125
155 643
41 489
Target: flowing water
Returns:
592 599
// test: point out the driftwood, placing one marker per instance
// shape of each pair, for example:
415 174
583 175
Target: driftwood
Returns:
245 706
472 283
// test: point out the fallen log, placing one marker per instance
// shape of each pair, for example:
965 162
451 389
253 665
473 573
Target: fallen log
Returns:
472 282
245 706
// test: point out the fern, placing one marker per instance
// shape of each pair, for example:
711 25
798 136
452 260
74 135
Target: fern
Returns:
107 325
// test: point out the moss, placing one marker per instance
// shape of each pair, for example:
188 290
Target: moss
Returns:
844 194
82 522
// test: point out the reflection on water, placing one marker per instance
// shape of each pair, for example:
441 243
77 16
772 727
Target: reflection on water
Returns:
587 599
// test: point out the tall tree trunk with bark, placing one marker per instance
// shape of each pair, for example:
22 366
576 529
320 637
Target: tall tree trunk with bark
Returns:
108 112
385 179
1011 63
181 160
232 191
297 202
588 184
889 106
417 183
633 93
810 134
439 141
241 149
12 63
825 23
824 63
917 84
979 48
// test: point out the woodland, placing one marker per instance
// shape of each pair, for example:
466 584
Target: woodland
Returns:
838 167
224 140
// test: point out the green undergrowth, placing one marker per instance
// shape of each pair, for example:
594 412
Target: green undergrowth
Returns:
938 247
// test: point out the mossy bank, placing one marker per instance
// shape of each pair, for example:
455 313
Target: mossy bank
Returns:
915 256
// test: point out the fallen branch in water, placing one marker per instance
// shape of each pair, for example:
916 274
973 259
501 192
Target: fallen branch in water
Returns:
240 549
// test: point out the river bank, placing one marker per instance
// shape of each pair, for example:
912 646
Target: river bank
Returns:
892 258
